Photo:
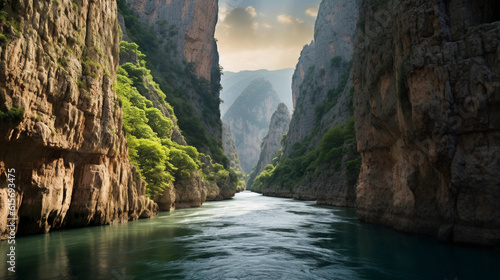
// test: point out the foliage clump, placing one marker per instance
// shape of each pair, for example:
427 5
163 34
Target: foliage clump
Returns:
176 80
12 117
290 171
160 160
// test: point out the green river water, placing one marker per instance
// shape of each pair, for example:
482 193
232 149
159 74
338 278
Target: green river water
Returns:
248 237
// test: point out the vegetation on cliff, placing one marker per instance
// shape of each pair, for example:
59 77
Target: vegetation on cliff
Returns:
176 80
149 132
11 117
288 172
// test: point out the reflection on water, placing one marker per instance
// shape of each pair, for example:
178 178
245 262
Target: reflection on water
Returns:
248 237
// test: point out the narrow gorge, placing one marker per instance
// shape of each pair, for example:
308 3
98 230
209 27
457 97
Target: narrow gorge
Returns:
375 157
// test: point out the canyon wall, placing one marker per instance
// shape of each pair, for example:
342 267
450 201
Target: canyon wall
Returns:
58 63
313 166
195 25
427 81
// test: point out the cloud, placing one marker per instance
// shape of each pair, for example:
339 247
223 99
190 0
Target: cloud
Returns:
312 11
222 13
251 11
284 18
248 40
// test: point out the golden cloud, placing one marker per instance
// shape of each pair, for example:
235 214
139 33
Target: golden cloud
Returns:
248 40
312 11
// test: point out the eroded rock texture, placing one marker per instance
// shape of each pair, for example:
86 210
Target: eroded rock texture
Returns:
427 81
69 150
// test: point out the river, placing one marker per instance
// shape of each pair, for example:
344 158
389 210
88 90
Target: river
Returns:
248 237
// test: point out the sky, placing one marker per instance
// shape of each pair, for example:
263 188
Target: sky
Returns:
264 34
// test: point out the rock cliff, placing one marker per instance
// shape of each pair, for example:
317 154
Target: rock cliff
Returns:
319 167
427 81
272 142
58 61
194 23
322 67
249 118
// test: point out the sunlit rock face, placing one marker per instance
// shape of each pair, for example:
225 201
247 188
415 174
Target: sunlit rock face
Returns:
68 149
427 78
195 22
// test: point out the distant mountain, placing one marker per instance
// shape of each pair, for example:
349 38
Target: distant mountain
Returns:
249 117
233 84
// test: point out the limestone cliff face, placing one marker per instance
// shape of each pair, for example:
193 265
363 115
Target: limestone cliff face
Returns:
321 89
426 100
249 118
272 142
69 151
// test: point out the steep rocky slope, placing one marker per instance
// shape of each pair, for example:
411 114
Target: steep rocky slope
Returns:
324 67
249 118
427 77
272 142
319 160
58 61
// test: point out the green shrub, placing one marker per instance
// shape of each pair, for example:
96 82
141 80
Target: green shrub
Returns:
173 82
289 172
3 16
13 116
